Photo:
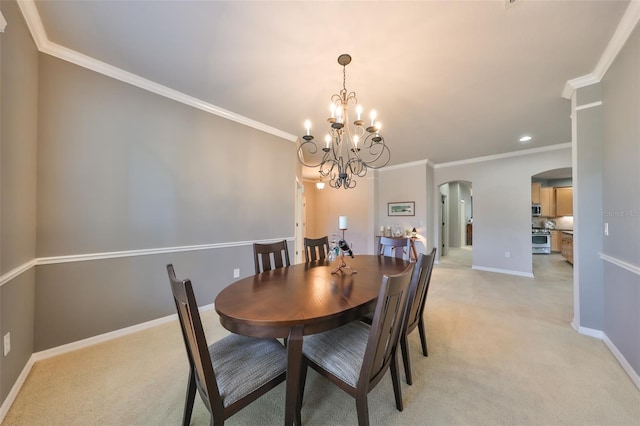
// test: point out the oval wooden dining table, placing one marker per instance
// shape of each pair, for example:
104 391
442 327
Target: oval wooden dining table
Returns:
303 299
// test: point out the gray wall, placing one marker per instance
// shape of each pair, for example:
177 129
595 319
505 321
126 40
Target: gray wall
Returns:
18 142
94 166
123 169
621 200
406 183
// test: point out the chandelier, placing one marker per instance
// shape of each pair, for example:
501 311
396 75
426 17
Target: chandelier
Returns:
349 149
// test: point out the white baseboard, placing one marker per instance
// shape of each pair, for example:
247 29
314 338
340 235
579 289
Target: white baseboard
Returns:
591 332
50 353
633 375
599 334
503 271
15 389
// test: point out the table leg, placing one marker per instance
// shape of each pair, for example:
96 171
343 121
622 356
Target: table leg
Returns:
413 252
294 363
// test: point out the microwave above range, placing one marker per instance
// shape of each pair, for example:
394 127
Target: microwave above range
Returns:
536 209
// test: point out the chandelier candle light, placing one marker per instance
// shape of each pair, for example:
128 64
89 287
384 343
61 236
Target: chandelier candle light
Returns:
344 247
349 149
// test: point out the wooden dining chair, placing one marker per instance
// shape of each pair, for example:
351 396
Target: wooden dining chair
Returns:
399 247
232 372
356 356
270 256
316 248
415 309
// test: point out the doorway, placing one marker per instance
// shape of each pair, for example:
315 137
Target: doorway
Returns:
456 224
551 221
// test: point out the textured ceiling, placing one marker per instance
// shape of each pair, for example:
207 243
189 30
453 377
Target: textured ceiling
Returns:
450 80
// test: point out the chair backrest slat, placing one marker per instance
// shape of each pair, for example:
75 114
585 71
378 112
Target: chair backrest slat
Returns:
195 340
270 256
387 324
420 281
399 247
316 248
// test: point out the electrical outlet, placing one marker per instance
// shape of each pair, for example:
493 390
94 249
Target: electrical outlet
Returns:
7 344
606 229
236 273
507 254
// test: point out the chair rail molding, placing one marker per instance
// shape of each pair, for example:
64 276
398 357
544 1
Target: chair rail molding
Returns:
620 263
5 278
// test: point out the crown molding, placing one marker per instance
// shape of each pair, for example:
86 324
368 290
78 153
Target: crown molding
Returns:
32 17
625 27
505 155
34 23
574 84
405 165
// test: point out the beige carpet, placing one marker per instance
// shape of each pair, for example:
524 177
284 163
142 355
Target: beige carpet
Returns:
501 353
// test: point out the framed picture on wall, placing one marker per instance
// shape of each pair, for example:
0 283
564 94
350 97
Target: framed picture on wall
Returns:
401 208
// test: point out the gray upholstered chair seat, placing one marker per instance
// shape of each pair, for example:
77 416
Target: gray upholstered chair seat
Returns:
243 364
340 351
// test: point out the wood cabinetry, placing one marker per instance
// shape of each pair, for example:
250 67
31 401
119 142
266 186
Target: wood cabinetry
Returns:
564 201
535 192
556 241
567 247
548 201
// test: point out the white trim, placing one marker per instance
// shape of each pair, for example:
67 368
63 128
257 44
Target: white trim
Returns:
147 252
591 332
620 263
572 85
599 334
5 278
34 23
80 344
105 337
404 165
505 155
3 23
15 389
625 27
587 106
633 375
32 18
503 271
623 31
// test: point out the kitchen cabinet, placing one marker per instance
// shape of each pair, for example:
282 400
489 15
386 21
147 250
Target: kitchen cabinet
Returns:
564 201
535 192
548 201
567 247
556 241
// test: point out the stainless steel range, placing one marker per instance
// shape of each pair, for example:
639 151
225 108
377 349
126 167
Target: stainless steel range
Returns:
540 241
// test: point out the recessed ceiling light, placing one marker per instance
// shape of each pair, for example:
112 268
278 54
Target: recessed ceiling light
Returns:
526 138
